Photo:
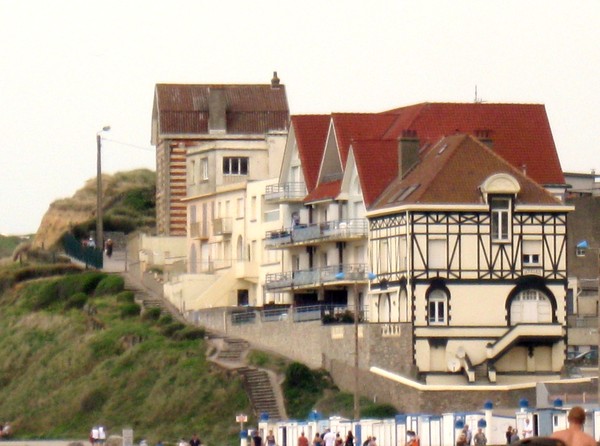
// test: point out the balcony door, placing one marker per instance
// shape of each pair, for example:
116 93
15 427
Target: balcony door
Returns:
531 307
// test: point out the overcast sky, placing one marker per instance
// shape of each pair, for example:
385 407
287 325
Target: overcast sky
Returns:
71 67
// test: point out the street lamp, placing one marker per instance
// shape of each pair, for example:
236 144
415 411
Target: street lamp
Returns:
342 276
99 224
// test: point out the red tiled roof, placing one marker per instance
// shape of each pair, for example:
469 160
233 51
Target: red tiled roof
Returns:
254 109
520 133
324 191
451 173
377 165
311 133
351 126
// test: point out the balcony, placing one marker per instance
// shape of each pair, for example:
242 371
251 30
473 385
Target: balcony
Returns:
199 231
285 192
317 277
246 270
222 226
331 231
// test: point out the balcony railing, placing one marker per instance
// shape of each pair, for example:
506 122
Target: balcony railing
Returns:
199 230
285 192
316 277
336 230
222 226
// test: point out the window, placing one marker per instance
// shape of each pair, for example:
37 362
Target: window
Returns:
240 208
192 172
532 252
437 307
253 208
500 219
204 169
530 306
235 165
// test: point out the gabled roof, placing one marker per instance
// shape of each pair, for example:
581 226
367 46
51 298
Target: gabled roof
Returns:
452 171
520 133
324 191
377 166
311 134
352 126
250 109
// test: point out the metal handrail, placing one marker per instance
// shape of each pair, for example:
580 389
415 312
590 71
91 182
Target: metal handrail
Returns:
352 272
347 228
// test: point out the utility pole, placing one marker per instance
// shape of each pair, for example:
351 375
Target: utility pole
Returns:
99 216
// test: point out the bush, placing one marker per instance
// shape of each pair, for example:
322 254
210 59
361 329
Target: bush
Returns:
93 400
77 300
111 284
130 310
126 297
45 296
379 411
173 327
151 314
189 334
165 319
76 283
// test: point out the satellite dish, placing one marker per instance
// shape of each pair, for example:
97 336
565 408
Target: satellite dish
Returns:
454 365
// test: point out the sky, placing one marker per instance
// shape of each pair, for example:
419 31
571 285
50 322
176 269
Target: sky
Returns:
70 68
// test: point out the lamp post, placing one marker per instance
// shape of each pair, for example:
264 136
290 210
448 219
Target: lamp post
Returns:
99 223
342 276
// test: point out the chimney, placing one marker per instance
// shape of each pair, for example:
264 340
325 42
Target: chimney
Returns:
275 80
217 109
485 137
408 151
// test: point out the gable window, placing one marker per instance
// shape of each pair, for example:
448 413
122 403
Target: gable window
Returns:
235 165
532 250
437 307
500 208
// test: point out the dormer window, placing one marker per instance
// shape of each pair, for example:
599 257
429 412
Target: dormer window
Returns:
500 209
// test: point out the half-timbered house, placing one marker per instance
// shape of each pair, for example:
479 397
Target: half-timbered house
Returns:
470 253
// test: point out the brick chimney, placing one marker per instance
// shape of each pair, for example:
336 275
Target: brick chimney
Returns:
217 109
408 151
275 82
485 137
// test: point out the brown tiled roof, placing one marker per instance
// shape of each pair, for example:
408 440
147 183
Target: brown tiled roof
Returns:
520 133
451 171
251 109
311 134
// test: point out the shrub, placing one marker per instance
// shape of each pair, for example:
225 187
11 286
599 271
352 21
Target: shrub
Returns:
45 296
76 283
126 297
170 329
111 284
189 334
130 310
93 400
77 300
379 411
151 314
165 319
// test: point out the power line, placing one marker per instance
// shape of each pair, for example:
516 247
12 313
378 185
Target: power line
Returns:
149 149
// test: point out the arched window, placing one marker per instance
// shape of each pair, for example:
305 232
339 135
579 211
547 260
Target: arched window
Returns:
404 312
530 306
384 307
240 248
437 307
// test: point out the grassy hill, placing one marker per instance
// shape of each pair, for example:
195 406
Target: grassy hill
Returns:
74 352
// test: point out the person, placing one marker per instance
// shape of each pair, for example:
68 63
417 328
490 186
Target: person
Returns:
302 440
527 429
338 440
480 438
182 442
159 443
143 442
101 435
91 243
508 434
256 439
270 439
373 441
109 247
412 439
574 435
367 441
195 440
329 438
468 434
462 439
349 439
514 435
317 441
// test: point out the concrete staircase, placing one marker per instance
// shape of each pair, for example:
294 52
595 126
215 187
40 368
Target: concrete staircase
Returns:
261 385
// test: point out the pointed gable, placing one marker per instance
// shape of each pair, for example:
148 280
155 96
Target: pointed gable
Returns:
520 133
311 134
452 171
377 166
